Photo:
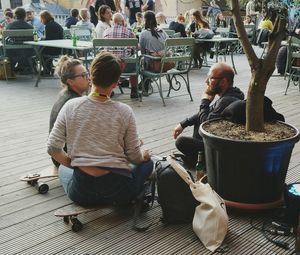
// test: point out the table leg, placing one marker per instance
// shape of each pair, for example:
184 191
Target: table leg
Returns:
38 51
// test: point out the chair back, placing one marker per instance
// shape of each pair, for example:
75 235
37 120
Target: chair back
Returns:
13 39
67 33
250 31
169 32
83 33
125 48
179 50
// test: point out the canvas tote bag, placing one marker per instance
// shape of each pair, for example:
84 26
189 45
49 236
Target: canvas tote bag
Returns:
210 221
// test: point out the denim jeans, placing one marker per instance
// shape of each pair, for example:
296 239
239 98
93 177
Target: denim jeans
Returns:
112 188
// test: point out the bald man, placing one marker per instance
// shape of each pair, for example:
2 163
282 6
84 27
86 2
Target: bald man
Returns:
219 83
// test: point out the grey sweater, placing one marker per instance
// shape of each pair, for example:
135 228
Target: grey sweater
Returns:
97 133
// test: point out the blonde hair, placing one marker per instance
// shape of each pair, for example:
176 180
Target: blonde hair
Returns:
84 14
65 69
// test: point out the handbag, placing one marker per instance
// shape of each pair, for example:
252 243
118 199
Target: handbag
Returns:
210 221
156 64
6 70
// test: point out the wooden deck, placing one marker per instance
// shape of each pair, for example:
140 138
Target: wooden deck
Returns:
27 221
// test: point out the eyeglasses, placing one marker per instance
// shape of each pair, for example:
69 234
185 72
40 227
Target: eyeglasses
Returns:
82 75
210 78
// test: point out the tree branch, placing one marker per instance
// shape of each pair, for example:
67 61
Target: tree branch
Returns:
242 35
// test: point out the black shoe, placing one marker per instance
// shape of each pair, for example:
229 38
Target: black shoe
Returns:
124 83
211 54
134 95
112 94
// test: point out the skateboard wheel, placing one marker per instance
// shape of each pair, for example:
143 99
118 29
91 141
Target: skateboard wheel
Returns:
77 225
42 188
66 219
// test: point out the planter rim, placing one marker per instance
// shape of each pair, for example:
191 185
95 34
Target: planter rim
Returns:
205 133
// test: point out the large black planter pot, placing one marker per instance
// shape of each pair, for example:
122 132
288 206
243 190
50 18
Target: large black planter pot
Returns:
247 171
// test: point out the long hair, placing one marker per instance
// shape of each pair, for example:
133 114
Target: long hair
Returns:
150 23
102 11
46 17
200 20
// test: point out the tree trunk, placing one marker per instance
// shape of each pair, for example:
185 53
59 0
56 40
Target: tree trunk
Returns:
261 69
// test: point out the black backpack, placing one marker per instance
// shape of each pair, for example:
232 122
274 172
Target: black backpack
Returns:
174 195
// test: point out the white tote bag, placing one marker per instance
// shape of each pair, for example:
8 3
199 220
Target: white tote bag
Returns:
210 221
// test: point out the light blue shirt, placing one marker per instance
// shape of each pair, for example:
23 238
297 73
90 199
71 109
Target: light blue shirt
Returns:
39 27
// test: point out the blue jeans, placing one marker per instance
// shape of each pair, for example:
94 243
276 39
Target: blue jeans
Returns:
87 190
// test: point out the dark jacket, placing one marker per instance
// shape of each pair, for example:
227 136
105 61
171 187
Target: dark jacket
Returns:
63 97
208 111
53 31
70 21
178 28
110 3
19 24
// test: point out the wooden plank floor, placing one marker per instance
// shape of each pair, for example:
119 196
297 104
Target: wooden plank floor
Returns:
27 223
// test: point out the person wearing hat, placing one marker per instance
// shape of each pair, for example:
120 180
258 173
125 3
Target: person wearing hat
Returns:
35 22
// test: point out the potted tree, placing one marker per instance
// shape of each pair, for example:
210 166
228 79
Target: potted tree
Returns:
252 173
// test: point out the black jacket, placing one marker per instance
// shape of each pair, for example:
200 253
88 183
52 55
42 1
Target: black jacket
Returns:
53 31
110 3
178 27
208 111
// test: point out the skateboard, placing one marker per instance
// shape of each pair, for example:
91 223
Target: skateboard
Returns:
33 179
70 213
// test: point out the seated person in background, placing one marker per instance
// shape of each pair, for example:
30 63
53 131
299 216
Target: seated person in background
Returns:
85 19
109 3
248 20
119 30
53 31
179 25
35 22
131 8
75 81
105 15
97 168
8 18
220 20
73 19
219 82
161 21
151 41
139 25
20 59
199 48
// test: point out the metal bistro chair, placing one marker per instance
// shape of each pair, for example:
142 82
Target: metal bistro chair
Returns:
126 47
180 50
293 61
13 40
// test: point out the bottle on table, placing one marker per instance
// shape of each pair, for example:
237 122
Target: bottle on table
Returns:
74 39
200 166
35 36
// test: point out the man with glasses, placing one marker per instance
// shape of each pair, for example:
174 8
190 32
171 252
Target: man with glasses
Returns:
219 82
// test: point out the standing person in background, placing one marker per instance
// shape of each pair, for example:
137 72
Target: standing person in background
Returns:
110 3
105 15
178 25
250 8
132 7
85 19
73 19
75 81
35 22
53 31
103 143
94 17
149 6
212 12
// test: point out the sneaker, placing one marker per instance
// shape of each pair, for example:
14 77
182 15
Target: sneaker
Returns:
211 54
